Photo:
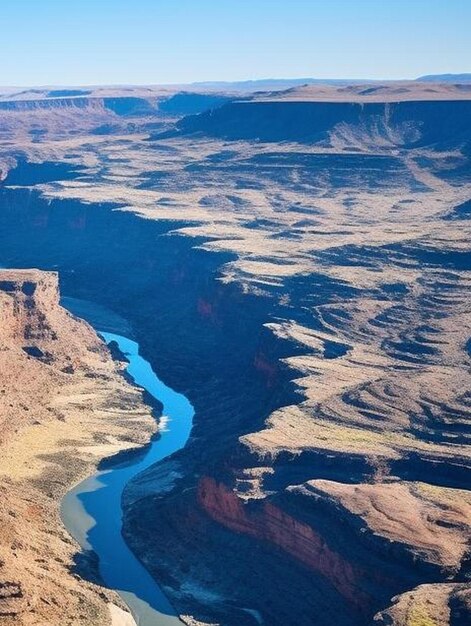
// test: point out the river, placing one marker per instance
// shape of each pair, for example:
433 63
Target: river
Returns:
92 511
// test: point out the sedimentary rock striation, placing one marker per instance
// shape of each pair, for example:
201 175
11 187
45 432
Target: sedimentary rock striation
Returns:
64 406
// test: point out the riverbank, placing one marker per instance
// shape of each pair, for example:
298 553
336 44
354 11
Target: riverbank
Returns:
67 406
92 510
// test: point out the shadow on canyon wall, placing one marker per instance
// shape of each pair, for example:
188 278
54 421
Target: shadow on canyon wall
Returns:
203 337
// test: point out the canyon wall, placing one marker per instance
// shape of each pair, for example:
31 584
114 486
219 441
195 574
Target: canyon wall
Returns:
275 526
399 124
64 406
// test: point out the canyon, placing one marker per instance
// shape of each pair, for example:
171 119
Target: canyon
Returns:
297 263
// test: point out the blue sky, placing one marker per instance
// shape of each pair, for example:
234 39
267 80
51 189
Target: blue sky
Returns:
79 42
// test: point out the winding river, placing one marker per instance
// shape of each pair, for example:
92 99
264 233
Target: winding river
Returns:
92 510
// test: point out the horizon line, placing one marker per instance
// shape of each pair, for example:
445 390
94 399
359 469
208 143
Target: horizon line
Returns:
236 81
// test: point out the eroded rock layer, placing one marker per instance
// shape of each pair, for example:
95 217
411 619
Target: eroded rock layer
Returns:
64 406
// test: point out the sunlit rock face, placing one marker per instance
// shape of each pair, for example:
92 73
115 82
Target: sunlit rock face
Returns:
64 404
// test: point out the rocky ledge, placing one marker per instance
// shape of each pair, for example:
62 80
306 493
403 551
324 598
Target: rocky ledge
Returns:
65 405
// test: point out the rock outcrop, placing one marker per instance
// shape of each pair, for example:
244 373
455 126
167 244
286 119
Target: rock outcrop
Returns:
341 124
64 406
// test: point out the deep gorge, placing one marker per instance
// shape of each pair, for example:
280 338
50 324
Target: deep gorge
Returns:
292 553
204 338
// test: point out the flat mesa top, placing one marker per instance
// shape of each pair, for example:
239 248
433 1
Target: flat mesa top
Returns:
23 274
407 91
13 279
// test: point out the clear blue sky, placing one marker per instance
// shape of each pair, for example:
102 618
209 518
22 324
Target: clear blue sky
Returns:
78 42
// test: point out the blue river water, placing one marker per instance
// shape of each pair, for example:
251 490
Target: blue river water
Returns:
92 510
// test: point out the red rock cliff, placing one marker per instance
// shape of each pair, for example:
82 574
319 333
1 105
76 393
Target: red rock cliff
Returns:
270 523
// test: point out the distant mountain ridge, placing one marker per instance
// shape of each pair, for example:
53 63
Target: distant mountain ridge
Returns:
286 83
271 84
241 86
445 78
